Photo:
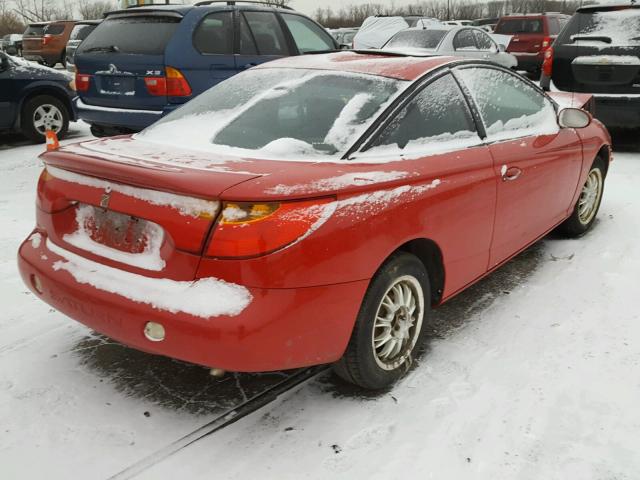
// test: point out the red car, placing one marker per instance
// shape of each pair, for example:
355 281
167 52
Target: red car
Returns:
311 210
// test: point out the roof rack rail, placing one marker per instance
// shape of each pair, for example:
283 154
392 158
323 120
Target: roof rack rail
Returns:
233 2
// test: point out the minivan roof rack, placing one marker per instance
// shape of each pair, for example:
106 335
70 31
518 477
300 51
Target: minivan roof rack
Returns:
233 2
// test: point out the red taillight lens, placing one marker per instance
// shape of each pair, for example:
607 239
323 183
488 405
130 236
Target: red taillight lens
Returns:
253 229
156 86
547 63
83 81
177 85
546 43
46 39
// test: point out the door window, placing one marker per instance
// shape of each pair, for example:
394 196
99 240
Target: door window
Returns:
247 45
54 29
464 40
436 115
267 33
214 35
509 107
484 42
308 36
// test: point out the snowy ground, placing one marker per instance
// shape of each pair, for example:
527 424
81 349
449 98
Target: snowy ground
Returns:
531 374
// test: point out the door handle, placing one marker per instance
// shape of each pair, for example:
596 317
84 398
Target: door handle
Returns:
510 174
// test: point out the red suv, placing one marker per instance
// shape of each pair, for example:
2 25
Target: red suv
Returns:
45 42
532 35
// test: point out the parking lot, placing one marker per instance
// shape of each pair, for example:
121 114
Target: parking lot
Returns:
529 374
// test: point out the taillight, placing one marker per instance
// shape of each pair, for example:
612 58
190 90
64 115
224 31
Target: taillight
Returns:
46 39
546 43
156 86
177 85
173 85
547 63
248 229
83 81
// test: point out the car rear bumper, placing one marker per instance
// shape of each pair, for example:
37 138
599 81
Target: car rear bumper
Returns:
117 117
279 329
528 61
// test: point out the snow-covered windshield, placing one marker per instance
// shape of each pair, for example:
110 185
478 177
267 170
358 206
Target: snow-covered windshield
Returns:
604 28
416 39
278 113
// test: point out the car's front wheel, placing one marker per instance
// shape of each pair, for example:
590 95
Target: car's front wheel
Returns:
42 113
389 326
584 213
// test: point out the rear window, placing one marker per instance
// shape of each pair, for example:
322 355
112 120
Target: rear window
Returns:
279 113
514 26
417 39
34 31
139 34
604 28
80 32
55 29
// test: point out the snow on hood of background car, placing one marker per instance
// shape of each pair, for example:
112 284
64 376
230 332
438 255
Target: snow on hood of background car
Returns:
25 66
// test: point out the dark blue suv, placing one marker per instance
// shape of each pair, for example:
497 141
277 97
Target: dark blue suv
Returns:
140 64
34 98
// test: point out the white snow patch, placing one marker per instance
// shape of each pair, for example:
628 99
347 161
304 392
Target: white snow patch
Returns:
341 181
35 240
233 213
188 206
204 298
421 147
149 259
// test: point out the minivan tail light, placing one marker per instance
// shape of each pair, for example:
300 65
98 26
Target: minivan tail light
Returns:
177 84
83 81
46 39
547 62
248 229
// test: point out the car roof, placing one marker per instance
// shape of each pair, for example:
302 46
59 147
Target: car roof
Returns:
607 7
184 9
371 62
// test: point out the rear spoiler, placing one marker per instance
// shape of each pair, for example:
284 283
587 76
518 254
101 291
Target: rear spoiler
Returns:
584 101
136 11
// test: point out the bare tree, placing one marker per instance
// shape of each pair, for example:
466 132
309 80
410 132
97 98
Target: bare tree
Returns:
9 21
43 10
90 10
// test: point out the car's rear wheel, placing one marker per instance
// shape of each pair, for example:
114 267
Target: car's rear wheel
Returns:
389 327
586 209
43 113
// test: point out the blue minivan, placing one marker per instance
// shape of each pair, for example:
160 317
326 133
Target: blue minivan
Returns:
140 64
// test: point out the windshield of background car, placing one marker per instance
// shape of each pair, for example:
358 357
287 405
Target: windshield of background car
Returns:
514 26
34 31
136 34
80 32
417 39
279 113
615 27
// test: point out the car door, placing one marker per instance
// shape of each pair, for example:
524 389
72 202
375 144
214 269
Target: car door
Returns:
8 93
213 39
537 163
464 44
488 50
435 136
261 38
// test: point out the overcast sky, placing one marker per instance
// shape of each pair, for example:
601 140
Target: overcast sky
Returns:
310 6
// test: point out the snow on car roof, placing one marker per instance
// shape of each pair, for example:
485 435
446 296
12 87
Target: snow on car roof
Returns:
384 64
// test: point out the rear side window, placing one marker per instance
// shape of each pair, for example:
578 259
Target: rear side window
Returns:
247 45
464 40
34 31
308 36
437 114
514 26
136 34
267 33
80 32
509 107
214 35
607 28
417 39
483 41
55 29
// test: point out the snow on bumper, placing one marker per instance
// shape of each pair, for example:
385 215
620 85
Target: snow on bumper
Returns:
245 329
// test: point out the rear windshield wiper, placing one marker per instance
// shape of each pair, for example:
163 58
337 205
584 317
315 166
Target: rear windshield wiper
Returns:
595 38
108 49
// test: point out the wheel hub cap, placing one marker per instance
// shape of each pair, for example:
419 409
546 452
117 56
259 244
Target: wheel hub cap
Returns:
590 196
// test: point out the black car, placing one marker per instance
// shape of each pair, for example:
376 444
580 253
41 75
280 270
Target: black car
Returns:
34 98
598 52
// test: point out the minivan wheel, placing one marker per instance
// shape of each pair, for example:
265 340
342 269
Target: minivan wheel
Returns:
43 113
586 209
389 326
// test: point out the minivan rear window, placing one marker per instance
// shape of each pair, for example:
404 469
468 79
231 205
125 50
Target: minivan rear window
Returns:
82 31
54 29
514 26
136 34
604 28
34 31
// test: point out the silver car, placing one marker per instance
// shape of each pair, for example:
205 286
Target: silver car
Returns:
458 41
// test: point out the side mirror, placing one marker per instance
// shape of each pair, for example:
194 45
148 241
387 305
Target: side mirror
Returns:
574 118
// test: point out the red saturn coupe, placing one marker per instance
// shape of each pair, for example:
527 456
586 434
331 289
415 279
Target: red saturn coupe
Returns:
311 210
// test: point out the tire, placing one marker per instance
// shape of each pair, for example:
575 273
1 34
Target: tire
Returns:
41 113
378 366
586 209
